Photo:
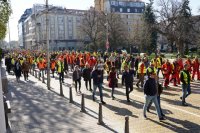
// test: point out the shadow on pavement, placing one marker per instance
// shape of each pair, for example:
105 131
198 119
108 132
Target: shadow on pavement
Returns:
187 125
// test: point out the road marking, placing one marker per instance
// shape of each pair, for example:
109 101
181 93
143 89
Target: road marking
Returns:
172 107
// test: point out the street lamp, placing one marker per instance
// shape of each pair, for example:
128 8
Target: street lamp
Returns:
47 42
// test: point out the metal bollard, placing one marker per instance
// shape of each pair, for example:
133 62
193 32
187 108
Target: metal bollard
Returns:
43 79
70 95
61 89
83 104
100 118
39 76
36 74
126 130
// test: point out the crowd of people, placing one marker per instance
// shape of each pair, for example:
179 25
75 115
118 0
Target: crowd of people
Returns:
95 66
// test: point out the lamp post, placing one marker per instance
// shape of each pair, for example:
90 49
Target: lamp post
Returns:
47 42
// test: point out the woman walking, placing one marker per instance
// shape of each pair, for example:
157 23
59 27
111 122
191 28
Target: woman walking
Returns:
112 78
77 78
18 70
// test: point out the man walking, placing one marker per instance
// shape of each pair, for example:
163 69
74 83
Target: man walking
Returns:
185 79
150 92
97 76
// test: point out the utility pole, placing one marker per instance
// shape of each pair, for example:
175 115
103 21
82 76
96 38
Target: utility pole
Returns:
9 33
47 37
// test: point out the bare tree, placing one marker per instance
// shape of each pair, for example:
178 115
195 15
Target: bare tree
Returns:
175 23
91 26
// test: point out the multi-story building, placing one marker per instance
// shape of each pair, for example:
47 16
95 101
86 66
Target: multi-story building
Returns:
64 27
26 14
131 11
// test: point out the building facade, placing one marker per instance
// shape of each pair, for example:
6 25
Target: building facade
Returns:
131 11
21 38
64 27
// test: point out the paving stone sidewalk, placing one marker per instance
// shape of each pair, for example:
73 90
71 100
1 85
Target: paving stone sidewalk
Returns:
37 110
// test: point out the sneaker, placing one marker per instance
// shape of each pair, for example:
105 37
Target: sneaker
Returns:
184 104
93 98
128 101
113 97
137 85
161 119
145 117
103 102
148 110
181 98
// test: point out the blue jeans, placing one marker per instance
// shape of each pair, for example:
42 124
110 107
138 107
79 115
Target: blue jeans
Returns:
153 99
184 92
100 90
158 98
188 91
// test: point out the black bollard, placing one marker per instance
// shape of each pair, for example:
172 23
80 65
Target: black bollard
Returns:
126 130
70 95
100 118
35 74
83 104
61 89
39 76
43 79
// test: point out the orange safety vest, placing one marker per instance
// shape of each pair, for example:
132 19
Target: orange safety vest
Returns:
53 65
82 62
41 65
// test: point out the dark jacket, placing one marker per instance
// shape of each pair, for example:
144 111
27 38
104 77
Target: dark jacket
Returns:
97 76
18 69
87 73
128 77
150 87
112 79
75 73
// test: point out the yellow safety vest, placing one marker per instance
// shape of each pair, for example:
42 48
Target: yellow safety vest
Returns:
13 61
185 77
60 67
158 63
149 69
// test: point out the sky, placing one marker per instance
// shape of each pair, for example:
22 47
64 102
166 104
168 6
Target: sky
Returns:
19 6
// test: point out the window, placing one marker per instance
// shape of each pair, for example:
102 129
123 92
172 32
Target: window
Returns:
135 10
142 10
113 9
122 3
60 20
128 10
121 10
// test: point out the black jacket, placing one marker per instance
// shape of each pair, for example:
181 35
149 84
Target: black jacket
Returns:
150 87
87 73
128 77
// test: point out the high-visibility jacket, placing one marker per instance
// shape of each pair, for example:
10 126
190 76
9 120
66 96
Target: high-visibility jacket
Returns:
41 65
82 62
60 66
185 76
141 68
21 61
13 61
151 70
158 63
167 68
195 65
189 64
53 65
